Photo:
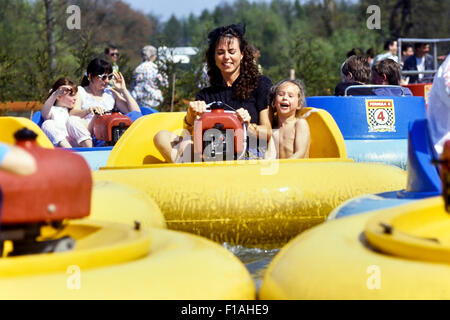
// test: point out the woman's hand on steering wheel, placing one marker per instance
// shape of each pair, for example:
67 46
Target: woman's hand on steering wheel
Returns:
96 110
196 109
243 115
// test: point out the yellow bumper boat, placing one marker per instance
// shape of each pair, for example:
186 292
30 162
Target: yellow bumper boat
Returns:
114 261
50 250
396 253
263 203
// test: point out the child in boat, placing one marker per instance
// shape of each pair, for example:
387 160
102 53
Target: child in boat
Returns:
61 128
291 137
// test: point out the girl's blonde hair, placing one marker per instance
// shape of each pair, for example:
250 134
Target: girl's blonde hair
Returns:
273 93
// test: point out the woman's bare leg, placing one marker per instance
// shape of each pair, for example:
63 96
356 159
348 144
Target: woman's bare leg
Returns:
173 148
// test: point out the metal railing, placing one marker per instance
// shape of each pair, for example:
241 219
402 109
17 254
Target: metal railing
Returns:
415 40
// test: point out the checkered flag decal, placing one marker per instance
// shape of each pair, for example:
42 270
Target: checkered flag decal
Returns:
373 121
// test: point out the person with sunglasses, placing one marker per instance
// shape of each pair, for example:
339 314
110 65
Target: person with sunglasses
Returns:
96 97
112 55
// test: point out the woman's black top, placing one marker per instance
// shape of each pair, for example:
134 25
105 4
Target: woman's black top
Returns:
258 101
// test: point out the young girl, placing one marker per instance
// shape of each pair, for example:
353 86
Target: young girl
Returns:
290 134
59 126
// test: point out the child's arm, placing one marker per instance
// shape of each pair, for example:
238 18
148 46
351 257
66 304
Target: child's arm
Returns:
50 102
302 140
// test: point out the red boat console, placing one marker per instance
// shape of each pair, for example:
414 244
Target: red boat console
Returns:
218 136
110 127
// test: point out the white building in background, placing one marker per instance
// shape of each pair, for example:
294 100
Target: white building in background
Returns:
177 54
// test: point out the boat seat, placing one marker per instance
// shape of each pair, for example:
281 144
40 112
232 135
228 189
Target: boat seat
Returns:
136 146
38 118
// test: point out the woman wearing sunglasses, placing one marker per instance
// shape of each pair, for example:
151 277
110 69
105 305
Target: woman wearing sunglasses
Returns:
96 97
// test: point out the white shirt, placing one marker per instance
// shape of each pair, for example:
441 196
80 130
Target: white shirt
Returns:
59 114
386 55
420 65
106 102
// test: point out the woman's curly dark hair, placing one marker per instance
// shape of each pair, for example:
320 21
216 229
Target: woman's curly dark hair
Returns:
248 80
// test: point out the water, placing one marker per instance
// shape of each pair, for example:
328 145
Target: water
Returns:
256 260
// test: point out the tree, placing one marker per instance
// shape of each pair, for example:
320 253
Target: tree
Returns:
400 19
173 32
51 49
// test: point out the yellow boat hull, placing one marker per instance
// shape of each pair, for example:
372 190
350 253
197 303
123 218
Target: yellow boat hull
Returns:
237 203
337 260
114 261
124 204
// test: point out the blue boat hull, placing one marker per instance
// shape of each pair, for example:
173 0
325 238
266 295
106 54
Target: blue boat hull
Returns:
423 178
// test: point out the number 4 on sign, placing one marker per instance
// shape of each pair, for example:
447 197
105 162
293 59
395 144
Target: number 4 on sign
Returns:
381 116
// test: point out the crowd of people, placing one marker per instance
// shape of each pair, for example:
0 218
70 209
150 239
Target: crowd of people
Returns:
269 112
364 69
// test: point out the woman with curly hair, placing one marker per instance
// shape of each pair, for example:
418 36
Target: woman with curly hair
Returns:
234 80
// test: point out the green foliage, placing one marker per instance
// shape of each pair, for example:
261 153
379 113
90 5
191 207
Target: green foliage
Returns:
7 76
313 64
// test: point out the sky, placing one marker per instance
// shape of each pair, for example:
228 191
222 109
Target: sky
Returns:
180 8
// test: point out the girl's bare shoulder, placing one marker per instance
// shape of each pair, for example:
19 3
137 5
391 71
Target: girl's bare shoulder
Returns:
301 123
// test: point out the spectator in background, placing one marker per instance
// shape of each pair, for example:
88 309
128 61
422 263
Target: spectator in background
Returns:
147 79
407 51
356 71
420 61
256 55
370 54
391 48
387 72
355 52
112 55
